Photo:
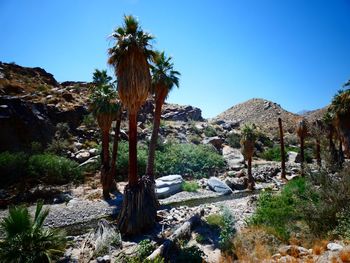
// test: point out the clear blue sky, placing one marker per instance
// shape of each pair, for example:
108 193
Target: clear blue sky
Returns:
293 52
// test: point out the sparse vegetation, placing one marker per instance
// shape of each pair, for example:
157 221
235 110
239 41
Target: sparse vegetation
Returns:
210 131
190 186
234 139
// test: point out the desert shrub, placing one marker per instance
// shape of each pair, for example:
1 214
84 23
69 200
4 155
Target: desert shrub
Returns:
53 169
26 240
327 195
343 228
190 254
233 140
36 147
255 244
264 139
190 186
12 166
188 159
58 146
227 230
143 250
279 211
273 154
210 131
89 121
200 239
215 220
195 139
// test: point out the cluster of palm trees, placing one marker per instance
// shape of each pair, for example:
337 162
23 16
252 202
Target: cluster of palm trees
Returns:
140 72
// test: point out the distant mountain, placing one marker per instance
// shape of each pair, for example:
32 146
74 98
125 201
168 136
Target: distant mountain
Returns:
261 112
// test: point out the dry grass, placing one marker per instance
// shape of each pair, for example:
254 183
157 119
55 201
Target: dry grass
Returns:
319 247
344 255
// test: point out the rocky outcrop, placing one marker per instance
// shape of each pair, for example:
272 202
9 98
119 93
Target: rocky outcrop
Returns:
233 158
174 112
23 122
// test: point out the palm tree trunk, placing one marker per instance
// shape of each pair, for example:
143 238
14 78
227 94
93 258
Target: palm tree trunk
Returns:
318 151
105 164
340 154
332 149
133 149
250 176
302 154
115 145
154 138
283 155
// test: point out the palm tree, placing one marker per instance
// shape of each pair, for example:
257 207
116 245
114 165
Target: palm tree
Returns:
248 148
129 57
164 78
340 109
302 133
327 120
106 108
26 240
283 155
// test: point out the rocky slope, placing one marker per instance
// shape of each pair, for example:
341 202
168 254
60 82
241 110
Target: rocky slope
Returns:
263 113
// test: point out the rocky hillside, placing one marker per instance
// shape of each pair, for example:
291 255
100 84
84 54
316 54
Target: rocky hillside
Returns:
262 112
32 103
314 115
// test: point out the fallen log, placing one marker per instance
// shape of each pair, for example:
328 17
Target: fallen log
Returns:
183 231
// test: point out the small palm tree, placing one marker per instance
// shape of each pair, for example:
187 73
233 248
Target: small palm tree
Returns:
130 58
26 240
164 78
248 148
106 108
302 133
340 109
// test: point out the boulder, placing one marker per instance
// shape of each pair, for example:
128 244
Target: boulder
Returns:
240 183
292 157
168 185
218 186
82 156
334 247
216 141
233 158
292 250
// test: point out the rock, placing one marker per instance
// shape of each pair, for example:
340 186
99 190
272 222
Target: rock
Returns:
240 183
107 259
218 186
265 173
91 160
181 113
168 185
292 250
334 247
93 151
233 158
78 145
216 141
68 96
292 157
82 156
61 198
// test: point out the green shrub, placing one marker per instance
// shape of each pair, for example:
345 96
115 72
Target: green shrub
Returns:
53 169
343 228
326 201
215 220
227 230
273 154
89 121
144 249
26 240
210 131
200 239
279 211
59 146
188 159
233 140
190 254
12 166
195 139
190 186
264 139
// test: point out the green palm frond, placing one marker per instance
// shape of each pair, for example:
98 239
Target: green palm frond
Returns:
340 104
249 132
100 77
27 240
128 35
163 74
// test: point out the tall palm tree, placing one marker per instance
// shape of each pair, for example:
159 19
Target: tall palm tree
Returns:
129 57
327 121
283 155
248 148
26 240
340 109
164 78
302 133
106 108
